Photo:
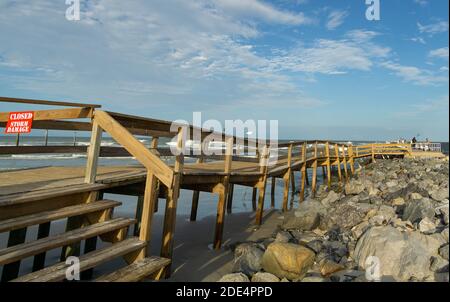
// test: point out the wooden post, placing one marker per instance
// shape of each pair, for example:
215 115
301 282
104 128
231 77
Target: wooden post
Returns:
264 164
314 176
272 192
171 203
304 174
373 153
327 154
344 155
292 185
18 140
336 150
46 138
74 138
195 198
286 178
352 159
148 208
138 215
93 153
254 194
223 195
324 173
230 199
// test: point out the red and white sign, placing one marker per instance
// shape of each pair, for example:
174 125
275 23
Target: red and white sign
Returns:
19 122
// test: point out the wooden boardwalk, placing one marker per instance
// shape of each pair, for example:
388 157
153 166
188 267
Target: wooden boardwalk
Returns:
42 195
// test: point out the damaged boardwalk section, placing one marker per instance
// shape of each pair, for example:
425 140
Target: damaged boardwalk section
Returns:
41 196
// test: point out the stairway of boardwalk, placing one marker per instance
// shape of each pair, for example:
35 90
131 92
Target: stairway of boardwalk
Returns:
88 219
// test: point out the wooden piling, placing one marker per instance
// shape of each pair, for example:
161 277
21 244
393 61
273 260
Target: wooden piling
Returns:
262 184
286 179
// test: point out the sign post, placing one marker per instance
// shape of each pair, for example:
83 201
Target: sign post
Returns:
19 122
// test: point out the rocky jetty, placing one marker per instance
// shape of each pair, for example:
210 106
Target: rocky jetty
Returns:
389 222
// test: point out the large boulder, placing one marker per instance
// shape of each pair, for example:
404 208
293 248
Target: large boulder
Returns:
404 256
416 210
344 216
287 260
306 217
247 258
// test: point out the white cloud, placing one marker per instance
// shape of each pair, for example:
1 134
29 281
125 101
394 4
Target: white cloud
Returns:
259 9
336 18
416 75
421 2
441 53
427 107
434 28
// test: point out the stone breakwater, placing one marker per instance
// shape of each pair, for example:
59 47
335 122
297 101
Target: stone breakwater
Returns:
388 223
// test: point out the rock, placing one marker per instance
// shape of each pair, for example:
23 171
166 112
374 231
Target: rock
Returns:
332 197
403 256
238 277
306 217
443 251
427 226
384 216
415 196
439 194
416 210
441 277
264 277
328 267
444 212
283 237
359 229
344 215
313 279
346 275
439 264
247 258
392 184
287 260
444 234
399 201
354 187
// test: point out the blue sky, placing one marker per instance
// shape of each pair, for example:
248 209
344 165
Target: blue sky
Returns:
319 67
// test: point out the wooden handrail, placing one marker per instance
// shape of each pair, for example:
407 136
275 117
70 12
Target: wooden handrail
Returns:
45 102
152 162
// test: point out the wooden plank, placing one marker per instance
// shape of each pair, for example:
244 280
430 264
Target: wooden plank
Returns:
136 271
90 260
164 173
344 159
74 113
43 217
21 251
254 195
46 102
93 153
